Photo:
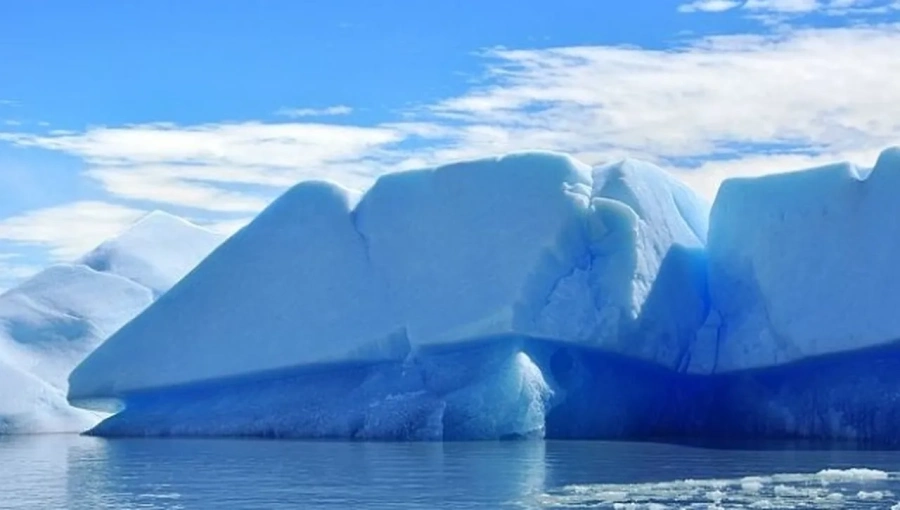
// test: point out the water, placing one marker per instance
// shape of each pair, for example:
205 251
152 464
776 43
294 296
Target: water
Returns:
48 472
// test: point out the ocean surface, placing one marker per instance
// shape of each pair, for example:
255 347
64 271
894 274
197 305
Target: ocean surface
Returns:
49 472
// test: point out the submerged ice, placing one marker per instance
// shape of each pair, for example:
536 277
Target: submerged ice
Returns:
528 295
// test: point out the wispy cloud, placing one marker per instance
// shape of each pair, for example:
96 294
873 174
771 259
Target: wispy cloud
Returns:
188 165
70 230
862 7
8 102
330 111
819 91
709 6
787 6
781 11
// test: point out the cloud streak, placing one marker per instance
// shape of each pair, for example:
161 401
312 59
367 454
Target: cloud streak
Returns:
783 6
814 91
709 6
778 11
330 111
189 165
69 230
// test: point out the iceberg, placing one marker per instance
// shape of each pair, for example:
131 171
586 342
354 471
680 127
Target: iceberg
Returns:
529 295
52 321
803 264
432 308
802 338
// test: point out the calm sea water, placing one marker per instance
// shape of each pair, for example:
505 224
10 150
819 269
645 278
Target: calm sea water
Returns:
85 473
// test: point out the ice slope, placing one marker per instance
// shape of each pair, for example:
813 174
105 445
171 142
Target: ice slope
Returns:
526 245
805 263
49 323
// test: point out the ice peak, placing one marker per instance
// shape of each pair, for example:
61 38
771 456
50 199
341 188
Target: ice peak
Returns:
155 251
158 219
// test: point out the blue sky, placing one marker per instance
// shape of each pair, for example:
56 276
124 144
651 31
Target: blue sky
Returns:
209 109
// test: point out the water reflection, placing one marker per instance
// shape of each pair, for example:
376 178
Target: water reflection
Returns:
88 473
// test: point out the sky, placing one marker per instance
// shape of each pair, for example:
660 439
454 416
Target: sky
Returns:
209 109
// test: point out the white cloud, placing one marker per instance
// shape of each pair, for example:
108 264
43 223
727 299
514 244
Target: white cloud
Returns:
779 12
709 6
175 185
244 144
70 230
315 112
785 6
862 7
815 91
188 165
12 122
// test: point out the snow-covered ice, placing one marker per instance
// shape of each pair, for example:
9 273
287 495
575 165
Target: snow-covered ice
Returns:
50 322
